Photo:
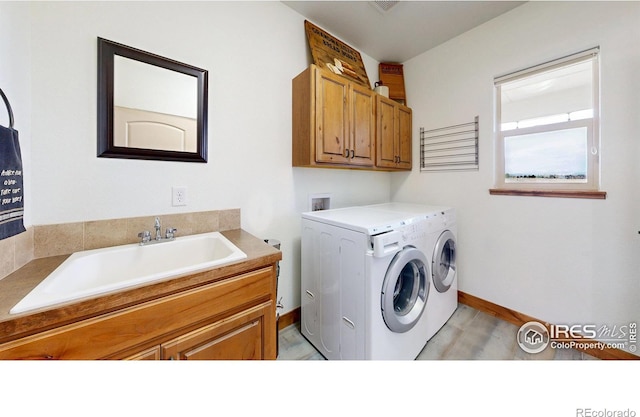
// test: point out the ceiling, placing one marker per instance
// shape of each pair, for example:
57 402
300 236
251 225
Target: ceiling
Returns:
404 31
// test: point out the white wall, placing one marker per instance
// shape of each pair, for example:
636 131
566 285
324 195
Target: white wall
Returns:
252 51
559 260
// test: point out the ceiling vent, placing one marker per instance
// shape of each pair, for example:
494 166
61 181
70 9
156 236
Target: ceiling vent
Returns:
384 6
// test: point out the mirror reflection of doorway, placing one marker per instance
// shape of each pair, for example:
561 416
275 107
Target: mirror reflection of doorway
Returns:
154 107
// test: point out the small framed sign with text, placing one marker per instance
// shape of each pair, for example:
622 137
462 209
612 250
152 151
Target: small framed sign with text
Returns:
330 53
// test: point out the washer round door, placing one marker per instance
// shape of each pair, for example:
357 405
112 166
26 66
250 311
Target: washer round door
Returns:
443 265
405 290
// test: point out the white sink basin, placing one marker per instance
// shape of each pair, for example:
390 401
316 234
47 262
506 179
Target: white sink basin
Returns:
98 271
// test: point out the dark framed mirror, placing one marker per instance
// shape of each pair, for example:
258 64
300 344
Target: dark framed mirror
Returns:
150 107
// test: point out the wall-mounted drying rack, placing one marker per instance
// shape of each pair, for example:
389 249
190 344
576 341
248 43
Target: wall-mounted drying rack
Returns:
450 148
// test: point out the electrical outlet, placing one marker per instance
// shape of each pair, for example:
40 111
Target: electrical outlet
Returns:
179 196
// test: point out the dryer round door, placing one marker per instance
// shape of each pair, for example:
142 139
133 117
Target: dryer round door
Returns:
443 265
405 290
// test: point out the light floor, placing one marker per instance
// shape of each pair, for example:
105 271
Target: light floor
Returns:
469 334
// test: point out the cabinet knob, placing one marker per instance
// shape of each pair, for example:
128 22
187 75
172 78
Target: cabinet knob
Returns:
353 154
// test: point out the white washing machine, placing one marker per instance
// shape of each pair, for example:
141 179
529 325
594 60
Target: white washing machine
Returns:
441 233
365 283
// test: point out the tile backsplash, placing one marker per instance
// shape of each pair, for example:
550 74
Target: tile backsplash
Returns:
15 252
62 239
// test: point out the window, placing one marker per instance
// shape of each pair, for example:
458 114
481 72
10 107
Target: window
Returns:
547 127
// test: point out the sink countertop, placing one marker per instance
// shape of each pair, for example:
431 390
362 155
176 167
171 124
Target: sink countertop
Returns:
18 284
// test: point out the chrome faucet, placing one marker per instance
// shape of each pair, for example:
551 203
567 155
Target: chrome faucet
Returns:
145 236
158 228
170 233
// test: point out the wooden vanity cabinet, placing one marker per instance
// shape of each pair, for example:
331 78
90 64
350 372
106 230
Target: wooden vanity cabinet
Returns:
232 318
393 134
333 121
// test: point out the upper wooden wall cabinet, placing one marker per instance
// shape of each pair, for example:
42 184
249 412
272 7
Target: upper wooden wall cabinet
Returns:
342 124
393 134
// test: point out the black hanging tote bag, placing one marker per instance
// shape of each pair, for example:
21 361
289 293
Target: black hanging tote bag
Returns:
11 184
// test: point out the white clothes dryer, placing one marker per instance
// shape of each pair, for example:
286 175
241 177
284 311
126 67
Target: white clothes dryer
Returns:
441 239
365 283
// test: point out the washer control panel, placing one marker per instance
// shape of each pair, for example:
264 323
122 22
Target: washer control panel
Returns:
407 233
413 231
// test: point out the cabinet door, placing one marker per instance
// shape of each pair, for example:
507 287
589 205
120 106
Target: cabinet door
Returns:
386 156
332 121
393 134
404 137
241 336
362 125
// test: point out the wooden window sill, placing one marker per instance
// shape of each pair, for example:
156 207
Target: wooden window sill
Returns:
598 195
